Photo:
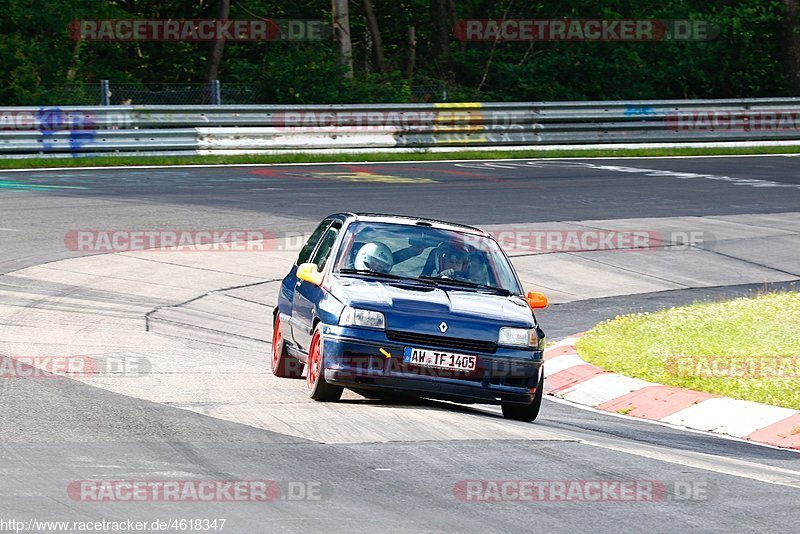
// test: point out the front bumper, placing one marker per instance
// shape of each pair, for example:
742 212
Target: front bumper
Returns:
357 358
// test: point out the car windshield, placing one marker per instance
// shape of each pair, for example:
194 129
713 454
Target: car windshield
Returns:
426 253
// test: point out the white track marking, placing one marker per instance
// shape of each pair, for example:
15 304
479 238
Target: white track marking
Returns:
651 173
698 460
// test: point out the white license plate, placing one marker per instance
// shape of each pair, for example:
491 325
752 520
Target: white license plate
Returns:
435 358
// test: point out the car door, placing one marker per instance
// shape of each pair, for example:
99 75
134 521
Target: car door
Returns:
291 282
307 295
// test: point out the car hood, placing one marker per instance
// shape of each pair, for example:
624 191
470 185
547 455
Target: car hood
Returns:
406 305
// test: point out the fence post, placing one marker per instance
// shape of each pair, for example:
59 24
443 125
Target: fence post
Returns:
216 94
105 93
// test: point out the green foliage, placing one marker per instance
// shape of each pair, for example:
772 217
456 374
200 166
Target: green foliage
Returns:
312 73
39 57
757 330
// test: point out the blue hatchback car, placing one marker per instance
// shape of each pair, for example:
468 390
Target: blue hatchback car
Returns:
385 304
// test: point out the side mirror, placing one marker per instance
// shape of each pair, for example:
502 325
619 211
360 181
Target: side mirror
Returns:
310 273
536 300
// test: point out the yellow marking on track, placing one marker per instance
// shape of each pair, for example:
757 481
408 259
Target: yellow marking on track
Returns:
369 177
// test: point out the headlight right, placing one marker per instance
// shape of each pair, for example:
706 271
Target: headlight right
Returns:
518 337
365 318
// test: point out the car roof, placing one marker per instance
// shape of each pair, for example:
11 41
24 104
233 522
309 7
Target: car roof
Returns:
409 220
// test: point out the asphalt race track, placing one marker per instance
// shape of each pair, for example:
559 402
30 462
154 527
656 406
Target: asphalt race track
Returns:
366 465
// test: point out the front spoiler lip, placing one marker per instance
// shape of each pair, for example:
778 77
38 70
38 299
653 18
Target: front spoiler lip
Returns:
429 389
443 388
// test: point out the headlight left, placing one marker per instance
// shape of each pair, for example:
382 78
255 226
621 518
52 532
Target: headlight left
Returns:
366 318
518 337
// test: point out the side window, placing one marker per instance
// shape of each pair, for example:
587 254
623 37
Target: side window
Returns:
311 244
326 244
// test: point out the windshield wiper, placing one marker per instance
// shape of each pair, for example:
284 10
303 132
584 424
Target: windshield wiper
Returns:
465 283
367 272
387 276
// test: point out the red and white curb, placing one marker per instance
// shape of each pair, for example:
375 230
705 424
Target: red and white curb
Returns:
569 377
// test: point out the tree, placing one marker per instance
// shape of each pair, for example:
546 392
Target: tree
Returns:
790 42
341 33
412 51
215 58
441 20
756 52
375 32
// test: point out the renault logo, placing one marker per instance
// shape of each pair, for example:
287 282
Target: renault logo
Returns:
443 327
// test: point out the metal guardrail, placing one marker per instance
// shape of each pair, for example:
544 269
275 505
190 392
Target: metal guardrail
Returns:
135 130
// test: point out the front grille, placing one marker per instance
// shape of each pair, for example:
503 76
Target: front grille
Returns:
471 345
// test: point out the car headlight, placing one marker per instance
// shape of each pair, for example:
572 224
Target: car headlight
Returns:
518 337
366 318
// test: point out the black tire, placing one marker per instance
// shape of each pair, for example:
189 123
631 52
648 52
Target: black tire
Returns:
283 365
318 388
527 413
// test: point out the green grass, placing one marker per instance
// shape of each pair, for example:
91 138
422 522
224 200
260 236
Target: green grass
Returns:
676 346
422 155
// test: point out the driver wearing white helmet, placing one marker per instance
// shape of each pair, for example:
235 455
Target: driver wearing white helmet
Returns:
375 257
